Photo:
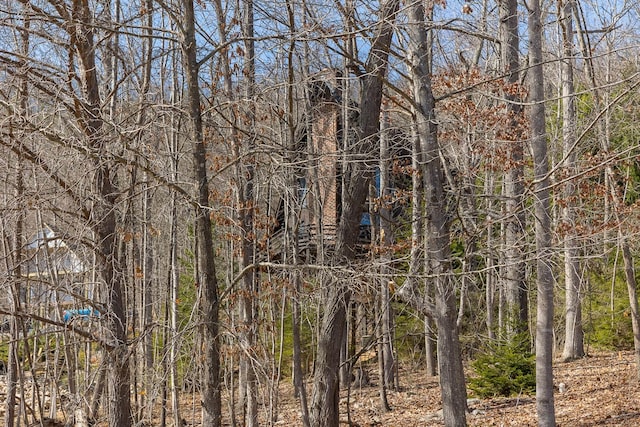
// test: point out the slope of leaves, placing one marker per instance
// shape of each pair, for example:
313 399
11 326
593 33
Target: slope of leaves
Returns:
601 389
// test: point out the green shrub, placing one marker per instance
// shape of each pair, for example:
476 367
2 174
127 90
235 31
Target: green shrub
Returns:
606 325
506 369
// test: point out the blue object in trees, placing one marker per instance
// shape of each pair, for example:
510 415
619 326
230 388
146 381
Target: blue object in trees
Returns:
82 313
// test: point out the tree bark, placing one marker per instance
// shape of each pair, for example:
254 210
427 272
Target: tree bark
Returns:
386 240
516 308
247 383
326 391
574 336
103 219
205 260
16 258
542 210
452 382
15 266
174 273
632 289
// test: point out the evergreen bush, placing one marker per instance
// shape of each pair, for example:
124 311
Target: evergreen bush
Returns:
506 369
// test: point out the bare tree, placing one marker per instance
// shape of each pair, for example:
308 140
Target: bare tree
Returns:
292 204
452 382
14 253
13 262
102 217
173 146
326 392
205 261
385 352
573 343
542 212
246 204
515 220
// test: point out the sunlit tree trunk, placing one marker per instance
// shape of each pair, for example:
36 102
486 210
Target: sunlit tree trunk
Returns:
14 265
243 145
573 343
632 290
542 212
386 355
325 399
14 254
514 249
103 219
205 261
452 382
174 270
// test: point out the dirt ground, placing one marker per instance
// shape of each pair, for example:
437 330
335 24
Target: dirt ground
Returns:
599 390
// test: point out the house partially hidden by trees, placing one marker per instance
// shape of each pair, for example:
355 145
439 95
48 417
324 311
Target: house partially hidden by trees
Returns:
56 279
323 142
56 273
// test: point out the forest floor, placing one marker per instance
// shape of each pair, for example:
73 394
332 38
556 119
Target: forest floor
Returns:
599 390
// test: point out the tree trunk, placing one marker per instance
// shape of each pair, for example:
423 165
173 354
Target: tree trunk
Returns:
205 262
298 376
516 308
245 178
147 251
452 382
491 280
174 279
326 392
542 211
15 260
325 397
103 220
573 342
386 240
15 266
632 289
174 283
12 366
292 226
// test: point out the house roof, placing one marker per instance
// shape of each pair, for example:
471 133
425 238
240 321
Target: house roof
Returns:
48 252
